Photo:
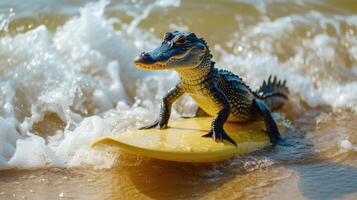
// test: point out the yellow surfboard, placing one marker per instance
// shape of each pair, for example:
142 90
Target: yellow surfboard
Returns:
183 141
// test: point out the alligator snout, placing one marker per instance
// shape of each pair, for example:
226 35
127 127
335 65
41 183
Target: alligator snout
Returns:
143 58
144 54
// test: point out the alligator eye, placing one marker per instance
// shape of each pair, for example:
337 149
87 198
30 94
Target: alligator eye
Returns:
167 36
181 40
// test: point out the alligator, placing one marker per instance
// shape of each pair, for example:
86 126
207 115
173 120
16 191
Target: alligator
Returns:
218 92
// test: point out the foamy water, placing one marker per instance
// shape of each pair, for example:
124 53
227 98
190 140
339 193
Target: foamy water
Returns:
83 73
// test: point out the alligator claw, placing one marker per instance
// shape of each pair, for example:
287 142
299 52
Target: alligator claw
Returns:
156 124
210 134
219 135
274 137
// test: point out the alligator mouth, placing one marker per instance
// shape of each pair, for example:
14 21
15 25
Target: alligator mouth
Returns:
148 63
151 66
142 63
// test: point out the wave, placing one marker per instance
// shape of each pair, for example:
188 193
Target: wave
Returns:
80 78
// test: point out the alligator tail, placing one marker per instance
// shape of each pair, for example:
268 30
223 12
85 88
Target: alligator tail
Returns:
273 92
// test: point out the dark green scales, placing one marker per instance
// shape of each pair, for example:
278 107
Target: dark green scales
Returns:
217 92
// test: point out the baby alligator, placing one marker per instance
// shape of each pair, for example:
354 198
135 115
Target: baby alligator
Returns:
217 92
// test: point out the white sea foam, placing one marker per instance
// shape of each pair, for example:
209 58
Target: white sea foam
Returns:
83 73
315 66
347 145
78 70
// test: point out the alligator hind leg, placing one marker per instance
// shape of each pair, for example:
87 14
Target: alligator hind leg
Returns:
271 127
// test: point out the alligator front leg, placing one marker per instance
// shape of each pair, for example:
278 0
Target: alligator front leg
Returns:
166 104
217 132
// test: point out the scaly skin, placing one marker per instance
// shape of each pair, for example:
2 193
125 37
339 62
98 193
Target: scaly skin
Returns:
219 93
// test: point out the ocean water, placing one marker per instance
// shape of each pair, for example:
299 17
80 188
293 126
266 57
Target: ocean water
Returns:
67 78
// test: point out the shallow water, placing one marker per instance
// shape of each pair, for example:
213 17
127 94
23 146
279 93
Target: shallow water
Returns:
66 78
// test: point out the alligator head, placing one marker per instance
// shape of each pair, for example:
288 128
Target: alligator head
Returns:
179 50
